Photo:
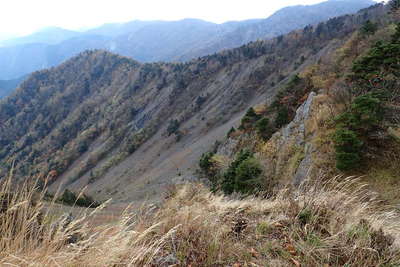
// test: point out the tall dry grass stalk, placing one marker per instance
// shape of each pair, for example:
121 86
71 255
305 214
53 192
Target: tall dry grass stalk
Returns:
30 235
338 223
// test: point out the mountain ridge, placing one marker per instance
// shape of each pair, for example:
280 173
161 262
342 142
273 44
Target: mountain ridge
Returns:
167 41
49 35
122 126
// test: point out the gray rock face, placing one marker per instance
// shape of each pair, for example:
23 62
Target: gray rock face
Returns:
297 127
304 167
228 147
288 154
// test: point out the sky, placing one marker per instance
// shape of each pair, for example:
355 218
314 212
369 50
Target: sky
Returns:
21 17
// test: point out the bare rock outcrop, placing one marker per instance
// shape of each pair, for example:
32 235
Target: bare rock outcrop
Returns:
288 154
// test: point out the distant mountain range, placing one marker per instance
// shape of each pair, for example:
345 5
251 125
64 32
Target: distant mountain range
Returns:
51 35
7 86
150 41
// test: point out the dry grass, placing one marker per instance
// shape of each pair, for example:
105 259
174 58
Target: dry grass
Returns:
333 224
385 181
29 236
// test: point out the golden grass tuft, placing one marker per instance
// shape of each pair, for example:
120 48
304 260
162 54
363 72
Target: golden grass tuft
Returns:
337 223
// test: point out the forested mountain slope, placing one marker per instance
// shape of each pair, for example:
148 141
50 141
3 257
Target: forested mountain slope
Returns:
126 129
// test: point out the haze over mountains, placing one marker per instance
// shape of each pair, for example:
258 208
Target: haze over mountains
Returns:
51 35
159 40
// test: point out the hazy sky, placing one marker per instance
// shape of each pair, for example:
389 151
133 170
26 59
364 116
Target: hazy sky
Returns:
20 17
